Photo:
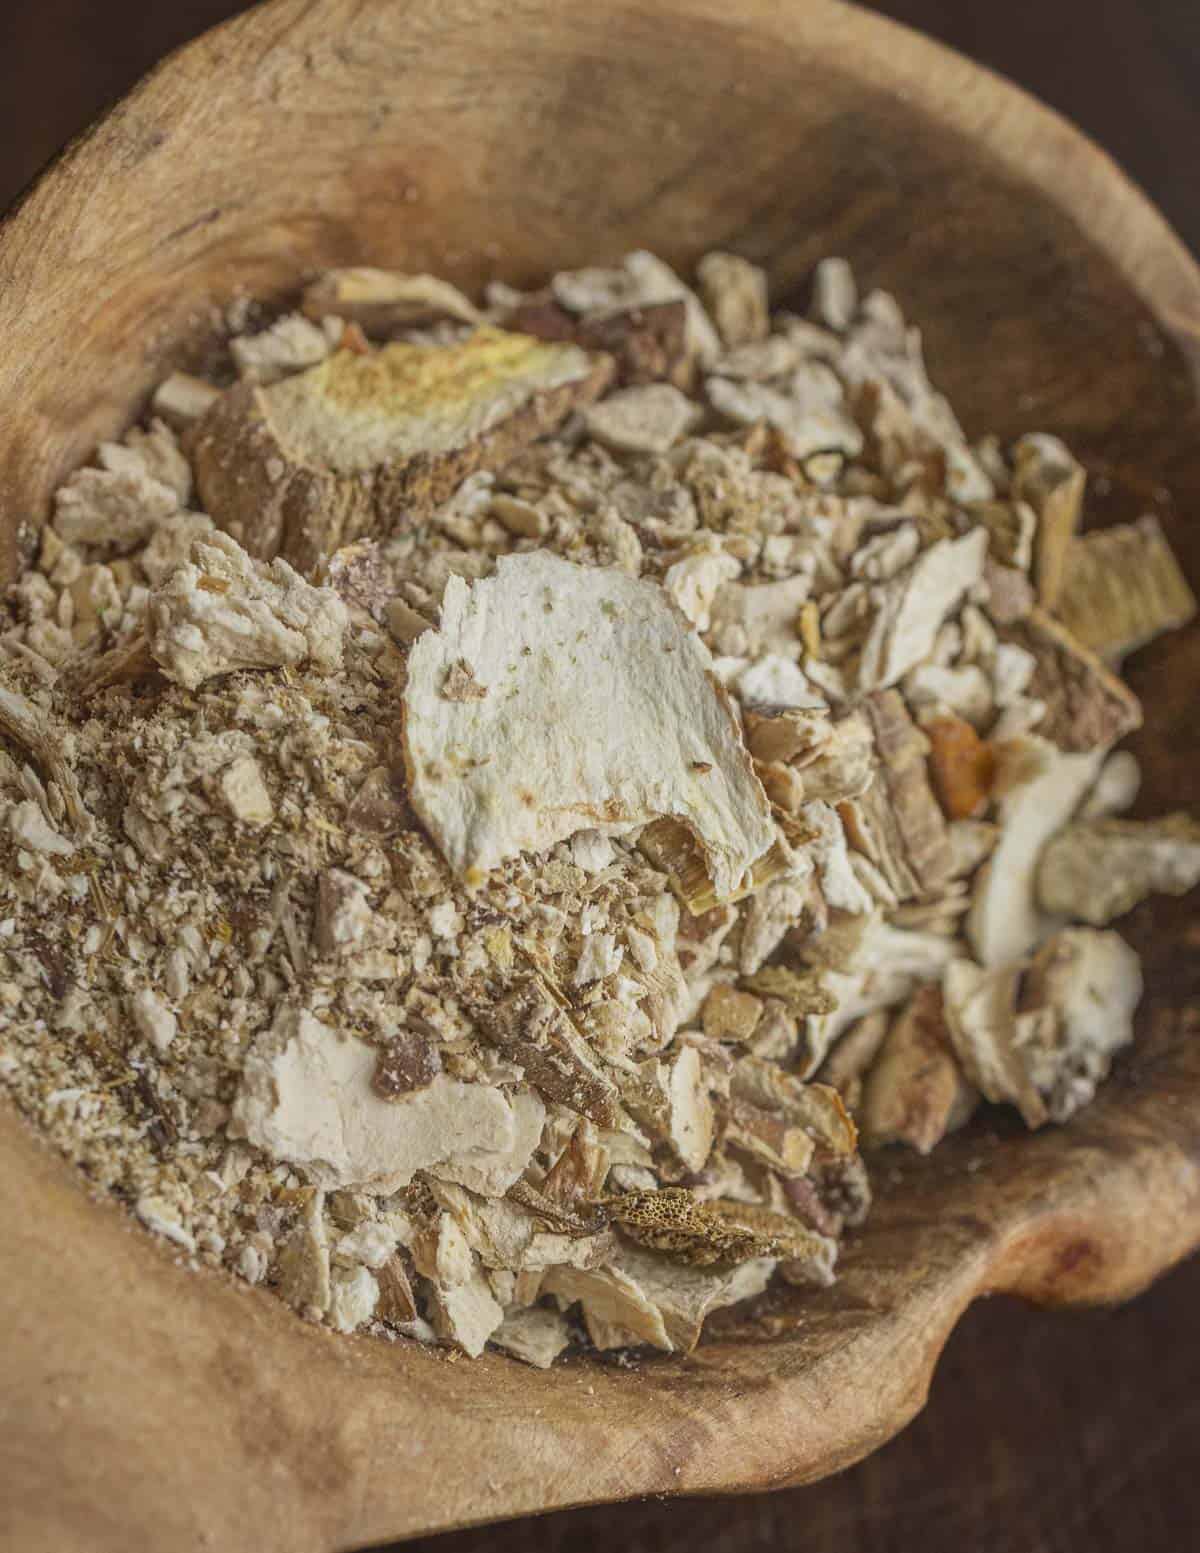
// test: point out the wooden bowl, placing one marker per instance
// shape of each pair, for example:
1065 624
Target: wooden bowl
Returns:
145 1407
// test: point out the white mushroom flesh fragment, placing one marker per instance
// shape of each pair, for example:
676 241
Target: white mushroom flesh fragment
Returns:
1038 790
306 1097
981 1020
694 580
1116 788
640 1298
221 611
810 418
599 711
1097 870
914 604
647 419
1077 1010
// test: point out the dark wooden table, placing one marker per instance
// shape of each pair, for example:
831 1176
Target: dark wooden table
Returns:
1045 1433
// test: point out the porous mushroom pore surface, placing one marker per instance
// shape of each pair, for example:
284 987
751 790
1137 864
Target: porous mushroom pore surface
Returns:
503 800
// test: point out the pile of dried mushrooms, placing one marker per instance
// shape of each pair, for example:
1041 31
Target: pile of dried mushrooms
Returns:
497 801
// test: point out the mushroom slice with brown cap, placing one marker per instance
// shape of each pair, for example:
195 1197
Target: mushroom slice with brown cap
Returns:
1086 706
344 450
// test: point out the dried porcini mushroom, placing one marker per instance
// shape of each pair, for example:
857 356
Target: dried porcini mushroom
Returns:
1123 587
1038 789
646 419
1052 481
851 1058
735 293
1086 706
1096 870
36 735
914 604
602 710
800 992
907 829
385 301
814 1107
915 1091
981 1022
796 734
222 611
301 467
730 1015
307 1096
648 343
531 1025
1076 1012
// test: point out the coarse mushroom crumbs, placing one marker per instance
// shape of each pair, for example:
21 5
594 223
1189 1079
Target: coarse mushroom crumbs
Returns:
492 931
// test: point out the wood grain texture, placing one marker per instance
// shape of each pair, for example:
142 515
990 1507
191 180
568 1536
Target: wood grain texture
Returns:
145 1407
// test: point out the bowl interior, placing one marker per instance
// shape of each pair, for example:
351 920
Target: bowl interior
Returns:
478 145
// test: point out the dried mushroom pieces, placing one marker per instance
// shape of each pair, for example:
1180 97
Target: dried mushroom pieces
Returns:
601 710
916 1091
531 1025
220 611
907 828
1051 480
962 766
1096 870
1076 1012
1038 788
1123 587
1083 705
495 805
338 452
307 1096
981 1022
383 302
914 604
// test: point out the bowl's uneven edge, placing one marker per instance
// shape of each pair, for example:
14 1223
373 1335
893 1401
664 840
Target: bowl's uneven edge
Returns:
144 1407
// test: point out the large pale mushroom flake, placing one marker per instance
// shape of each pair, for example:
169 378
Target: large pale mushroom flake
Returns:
555 698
